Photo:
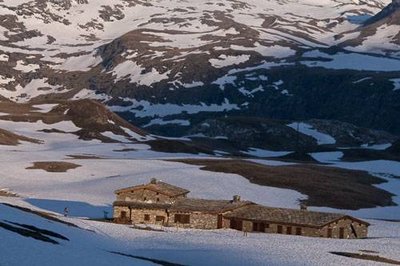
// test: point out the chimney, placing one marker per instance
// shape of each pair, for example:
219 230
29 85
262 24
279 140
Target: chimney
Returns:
153 181
303 206
236 198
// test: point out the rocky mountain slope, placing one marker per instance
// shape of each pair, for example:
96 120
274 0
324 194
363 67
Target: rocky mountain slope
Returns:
177 63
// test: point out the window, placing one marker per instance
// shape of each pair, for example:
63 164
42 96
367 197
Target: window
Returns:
144 199
182 218
259 227
329 232
158 199
236 224
160 218
123 214
147 217
298 231
289 230
255 227
280 229
341 232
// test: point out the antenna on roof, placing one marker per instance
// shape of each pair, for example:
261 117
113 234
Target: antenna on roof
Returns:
303 206
236 198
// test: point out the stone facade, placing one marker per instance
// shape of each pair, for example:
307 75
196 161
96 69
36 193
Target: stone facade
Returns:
146 195
140 216
165 218
345 228
196 220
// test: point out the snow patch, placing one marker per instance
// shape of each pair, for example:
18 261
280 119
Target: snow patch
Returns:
308 130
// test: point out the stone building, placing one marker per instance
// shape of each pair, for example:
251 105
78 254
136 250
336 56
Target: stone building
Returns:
168 205
257 218
155 197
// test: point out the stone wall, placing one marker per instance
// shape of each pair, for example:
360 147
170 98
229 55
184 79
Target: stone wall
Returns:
138 216
197 220
117 210
360 229
144 195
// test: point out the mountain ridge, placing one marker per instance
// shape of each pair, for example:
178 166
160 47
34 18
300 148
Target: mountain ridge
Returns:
155 63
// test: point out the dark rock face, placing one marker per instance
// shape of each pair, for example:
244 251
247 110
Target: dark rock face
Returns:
252 132
311 93
349 135
392 12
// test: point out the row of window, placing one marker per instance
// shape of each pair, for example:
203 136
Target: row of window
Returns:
289 230
341 232
159 218
178 218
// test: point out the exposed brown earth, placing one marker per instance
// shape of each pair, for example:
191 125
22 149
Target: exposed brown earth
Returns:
9 138
324 186
54 167
92 117
177 146
4 193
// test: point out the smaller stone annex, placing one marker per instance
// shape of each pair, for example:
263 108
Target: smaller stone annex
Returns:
164 204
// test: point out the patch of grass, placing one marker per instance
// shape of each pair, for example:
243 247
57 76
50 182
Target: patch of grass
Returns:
125 150
367 257
84 156
40 230
155 261
54 167
27 233
325 186
358 155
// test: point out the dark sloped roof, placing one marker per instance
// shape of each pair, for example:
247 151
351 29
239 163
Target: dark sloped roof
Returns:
287 216
207 206
141 205
160 187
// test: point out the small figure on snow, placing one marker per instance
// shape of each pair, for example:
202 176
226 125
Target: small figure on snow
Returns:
66 211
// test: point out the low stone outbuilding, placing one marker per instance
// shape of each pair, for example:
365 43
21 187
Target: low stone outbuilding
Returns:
257 218
168 205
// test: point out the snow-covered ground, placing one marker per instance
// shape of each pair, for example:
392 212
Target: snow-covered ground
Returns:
88 189
88 192
182 246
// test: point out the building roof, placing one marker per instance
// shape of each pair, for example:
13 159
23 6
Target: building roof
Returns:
142 205
159 187
207 206
188 205
288 216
